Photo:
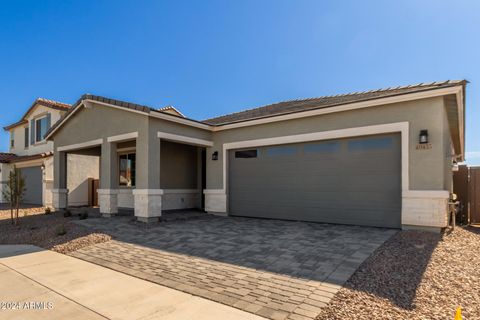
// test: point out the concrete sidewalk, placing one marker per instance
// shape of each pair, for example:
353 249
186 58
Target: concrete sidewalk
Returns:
74 289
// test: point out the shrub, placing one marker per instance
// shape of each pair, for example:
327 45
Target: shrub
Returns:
61 230
48 210
67 213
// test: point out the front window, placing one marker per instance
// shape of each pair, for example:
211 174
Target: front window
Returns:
12 139
40 129
127 170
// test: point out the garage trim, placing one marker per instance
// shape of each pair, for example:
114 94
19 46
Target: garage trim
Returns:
401 127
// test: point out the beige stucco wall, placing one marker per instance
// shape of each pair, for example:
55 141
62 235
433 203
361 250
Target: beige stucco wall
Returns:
79 169
448 154
19 132
426 166
429 169
103 122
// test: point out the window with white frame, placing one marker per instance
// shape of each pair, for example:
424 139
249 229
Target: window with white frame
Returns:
126 167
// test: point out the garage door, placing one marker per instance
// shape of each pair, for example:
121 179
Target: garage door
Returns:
348 181
33 184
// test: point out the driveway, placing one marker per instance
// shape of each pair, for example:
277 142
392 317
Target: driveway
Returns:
272 268
42 284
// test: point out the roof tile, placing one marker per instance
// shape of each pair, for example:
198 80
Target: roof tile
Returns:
299 105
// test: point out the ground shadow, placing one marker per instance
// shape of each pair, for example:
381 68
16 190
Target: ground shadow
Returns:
395 271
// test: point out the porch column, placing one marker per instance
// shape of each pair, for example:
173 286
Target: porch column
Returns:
59 191
107 195
147 194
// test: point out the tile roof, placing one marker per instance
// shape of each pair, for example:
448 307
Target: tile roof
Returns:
279 108
171 108
118 103
6 157
292 106
52 103
13 158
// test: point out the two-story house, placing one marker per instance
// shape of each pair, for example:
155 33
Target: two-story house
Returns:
33 155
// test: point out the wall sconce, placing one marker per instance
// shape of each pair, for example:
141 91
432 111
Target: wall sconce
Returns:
215 156
423 137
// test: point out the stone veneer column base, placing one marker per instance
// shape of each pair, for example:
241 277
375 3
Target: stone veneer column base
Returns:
425 209
108 200
59 199
148 204
215 202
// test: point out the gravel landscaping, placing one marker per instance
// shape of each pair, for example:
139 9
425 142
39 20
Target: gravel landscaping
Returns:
52 231
414 275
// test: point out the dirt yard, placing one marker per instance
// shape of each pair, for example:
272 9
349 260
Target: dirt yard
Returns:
415 275
52 231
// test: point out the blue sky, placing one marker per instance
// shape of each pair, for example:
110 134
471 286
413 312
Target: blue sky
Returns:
213 57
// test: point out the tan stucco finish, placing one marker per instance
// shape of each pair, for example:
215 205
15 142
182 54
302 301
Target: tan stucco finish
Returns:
426 166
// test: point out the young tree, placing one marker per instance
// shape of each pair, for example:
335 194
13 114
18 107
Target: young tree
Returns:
14 192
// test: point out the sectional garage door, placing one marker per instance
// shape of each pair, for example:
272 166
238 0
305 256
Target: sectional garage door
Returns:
347 181
33 184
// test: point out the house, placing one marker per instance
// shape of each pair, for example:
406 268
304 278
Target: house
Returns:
33 155
379 158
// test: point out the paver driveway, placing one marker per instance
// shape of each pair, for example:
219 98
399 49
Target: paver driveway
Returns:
276 269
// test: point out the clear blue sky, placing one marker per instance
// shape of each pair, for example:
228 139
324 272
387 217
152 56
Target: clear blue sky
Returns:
213 57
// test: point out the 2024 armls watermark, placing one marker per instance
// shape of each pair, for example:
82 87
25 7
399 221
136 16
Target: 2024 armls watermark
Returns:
25 305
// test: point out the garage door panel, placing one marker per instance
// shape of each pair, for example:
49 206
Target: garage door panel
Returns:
350 181
33 185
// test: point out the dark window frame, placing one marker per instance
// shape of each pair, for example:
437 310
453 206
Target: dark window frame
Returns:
246 154
27 137
40 123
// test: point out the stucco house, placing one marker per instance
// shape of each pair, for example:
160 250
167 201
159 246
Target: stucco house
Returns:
33 155
378 158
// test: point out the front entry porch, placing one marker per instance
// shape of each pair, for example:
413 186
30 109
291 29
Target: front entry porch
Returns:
144 175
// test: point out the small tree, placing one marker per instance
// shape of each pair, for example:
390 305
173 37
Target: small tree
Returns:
14 192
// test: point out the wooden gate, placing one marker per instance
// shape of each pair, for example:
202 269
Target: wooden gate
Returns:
466 184
474 194
93 185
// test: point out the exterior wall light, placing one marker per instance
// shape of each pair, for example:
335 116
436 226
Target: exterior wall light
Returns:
423 137
215 156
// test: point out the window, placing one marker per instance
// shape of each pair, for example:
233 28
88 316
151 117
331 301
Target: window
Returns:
325 147
26 137
41 127
12 139
246 154
370 144
281 151
127 169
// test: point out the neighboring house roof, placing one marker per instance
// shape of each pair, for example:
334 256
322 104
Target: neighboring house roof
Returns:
13 158
171 110
292 106
6 157
42 102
